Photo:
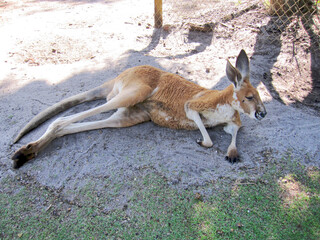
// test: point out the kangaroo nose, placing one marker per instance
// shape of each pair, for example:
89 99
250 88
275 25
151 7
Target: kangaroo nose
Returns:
260 115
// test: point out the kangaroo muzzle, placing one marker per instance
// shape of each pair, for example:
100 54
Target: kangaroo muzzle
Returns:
261 113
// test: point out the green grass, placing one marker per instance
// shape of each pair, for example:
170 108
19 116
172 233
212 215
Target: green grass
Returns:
283 204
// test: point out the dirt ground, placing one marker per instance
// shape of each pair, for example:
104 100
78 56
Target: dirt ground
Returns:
54 49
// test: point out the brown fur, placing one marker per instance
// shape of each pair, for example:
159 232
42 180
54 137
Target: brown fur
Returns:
146 93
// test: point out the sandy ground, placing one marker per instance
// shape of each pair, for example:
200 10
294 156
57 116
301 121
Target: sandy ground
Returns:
54 49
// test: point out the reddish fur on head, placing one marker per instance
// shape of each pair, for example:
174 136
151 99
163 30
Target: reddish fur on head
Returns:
247 97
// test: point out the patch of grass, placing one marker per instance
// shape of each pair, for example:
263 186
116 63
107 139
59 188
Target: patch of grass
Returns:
284 204
159 212
258 212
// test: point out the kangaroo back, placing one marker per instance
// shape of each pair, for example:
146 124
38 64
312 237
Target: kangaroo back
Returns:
91 95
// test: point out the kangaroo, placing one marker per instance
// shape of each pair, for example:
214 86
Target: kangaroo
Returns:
145 93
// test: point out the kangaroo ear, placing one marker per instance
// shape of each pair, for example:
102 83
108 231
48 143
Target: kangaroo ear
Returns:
234 75
242 64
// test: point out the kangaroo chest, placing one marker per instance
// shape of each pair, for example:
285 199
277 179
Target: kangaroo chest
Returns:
221 114
167 116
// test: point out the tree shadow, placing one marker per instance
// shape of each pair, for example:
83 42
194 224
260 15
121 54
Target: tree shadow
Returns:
268 46
309 26
204 39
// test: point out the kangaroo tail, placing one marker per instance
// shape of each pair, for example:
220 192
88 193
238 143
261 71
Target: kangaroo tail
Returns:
93 94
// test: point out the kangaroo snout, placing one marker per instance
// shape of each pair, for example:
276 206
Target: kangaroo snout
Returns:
260 114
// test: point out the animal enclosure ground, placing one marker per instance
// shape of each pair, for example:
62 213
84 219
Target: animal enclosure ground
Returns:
276 206
54 49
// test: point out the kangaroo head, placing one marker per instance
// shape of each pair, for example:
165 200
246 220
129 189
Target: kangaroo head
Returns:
246 97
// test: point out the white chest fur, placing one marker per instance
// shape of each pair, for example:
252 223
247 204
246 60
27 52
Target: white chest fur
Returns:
221 114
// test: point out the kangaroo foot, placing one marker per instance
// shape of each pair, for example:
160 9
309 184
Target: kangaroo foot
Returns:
203 144
23 155
233 156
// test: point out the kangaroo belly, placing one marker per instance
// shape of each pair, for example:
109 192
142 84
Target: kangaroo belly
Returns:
166 103
167 116
164 119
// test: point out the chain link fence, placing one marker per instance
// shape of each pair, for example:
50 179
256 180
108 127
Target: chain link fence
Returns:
272 19
293 18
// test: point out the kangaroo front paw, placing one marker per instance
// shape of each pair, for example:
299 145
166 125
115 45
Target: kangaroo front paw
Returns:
23 155
203 144
233 156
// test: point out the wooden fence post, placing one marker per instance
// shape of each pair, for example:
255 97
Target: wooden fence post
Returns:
157 13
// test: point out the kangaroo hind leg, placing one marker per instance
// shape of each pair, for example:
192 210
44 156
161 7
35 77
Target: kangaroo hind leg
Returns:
127 98
123 117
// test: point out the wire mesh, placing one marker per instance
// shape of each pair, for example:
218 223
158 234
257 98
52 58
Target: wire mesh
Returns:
291 17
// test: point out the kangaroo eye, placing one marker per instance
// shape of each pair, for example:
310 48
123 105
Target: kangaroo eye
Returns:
249 98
